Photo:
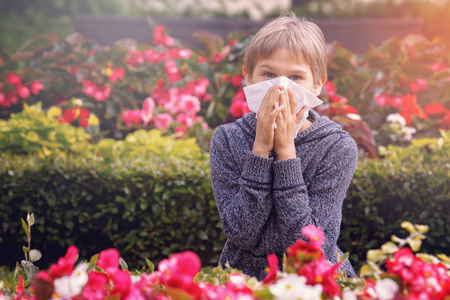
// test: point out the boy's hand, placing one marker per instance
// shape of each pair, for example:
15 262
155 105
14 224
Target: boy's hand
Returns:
287 123
268 112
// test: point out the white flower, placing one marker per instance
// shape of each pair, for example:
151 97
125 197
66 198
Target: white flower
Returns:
293 286
386 289
408 132
135 279
68 286
396 118
349 295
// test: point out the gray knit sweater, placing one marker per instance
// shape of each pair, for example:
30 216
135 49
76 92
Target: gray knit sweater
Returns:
263 203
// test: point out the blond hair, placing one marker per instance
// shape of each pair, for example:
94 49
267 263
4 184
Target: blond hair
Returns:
302 38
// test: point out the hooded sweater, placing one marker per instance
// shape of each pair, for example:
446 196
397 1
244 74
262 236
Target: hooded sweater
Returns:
264 203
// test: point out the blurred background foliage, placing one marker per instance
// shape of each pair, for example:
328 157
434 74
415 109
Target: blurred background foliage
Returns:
21 19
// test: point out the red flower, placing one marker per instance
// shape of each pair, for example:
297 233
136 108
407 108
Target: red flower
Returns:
13 79
330 88
176 53
411 108
417 85
181 130
69 115
102 93
439 67
184 263
108 260
172 71
22 91
95 287
3 101
201 59
65 264
435 109
239 108
36 87
236 80
12 98
118 73
20 289
225 77
159 38
272 269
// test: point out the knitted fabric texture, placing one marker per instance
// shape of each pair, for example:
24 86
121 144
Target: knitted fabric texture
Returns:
263 203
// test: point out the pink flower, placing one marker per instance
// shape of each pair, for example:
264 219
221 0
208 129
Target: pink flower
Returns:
181 130
239 108
130 117
236 80
152 56
189 104
22 91
439 67
185 263
122 283
172 71
163 121
201 59
89 87
13 79
3 101
65 264
102 93
95 288
36 87
198 88
218 58
240 95
12 98
135 58
272 269
330 88
159 38
314 234
108 260
118 73
185 120
417 85
176 53
148 108
382 100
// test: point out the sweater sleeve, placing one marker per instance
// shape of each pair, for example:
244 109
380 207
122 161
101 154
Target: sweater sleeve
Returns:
298 205
243 198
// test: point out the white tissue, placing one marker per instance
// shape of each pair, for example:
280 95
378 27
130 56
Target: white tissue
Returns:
255 94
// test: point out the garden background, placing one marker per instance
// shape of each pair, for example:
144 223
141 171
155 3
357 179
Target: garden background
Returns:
108 145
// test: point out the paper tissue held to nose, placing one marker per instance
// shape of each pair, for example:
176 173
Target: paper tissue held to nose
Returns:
255 94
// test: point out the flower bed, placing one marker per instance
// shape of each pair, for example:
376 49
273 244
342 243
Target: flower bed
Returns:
392 272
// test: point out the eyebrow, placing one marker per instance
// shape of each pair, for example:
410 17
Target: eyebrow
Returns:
289 71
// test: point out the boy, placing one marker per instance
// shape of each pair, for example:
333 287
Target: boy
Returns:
269 183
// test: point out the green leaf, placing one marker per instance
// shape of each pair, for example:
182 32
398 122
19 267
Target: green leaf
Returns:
35 255
123 264
25 227
30 219
25 249
344 257
150 265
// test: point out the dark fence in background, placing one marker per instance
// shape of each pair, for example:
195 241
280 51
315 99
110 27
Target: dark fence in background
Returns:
355 34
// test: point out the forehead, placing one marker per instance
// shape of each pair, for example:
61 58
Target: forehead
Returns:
283 59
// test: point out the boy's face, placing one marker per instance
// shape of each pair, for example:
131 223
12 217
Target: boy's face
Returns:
283 63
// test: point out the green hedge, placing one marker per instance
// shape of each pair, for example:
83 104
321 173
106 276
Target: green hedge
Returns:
152 207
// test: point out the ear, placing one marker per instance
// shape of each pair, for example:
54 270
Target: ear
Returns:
246 76
318 86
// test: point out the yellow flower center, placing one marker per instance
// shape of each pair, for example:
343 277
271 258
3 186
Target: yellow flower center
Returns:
319 279
267 270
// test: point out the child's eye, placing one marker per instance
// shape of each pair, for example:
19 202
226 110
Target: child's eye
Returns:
269 75
295 77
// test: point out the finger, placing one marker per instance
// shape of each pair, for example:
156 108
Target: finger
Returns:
292 100
285 101
271 97
276 112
